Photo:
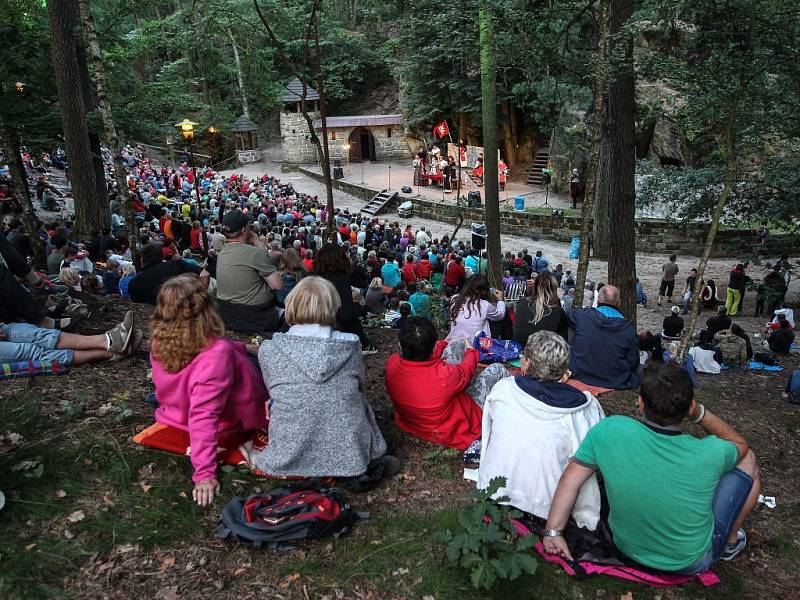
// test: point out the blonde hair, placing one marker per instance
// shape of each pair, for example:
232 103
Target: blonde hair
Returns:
129 270
543 296
376 283
183 323
548 356
313 300
69 276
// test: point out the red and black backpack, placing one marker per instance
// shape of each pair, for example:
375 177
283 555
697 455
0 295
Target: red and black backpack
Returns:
275 518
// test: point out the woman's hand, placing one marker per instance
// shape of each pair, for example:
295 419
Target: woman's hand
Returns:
204 491
498 294
557 546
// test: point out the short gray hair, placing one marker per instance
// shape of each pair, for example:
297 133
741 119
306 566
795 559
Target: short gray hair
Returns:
548 355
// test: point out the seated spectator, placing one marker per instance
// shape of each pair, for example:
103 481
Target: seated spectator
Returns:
780 339
656 476
111 277
538 405
718 322
420 300
605 347
453 276
145 286
473 308
333 264
540 311
392 312
23 342
425 267
433 386
309 362
405 314
56 257
708 295
246 279
672 327
390 273
568 301
410 270
376 299
539 264
292 270
128 275
205 384
71 278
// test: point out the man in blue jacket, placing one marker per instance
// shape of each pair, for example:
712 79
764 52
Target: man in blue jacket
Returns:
605 347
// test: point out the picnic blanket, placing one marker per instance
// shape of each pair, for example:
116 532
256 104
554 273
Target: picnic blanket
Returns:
31 368
595 390
754 365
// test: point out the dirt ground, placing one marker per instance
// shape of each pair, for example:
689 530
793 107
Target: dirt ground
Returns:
160 546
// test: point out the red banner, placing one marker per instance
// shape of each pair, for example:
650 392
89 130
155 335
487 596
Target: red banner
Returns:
441 130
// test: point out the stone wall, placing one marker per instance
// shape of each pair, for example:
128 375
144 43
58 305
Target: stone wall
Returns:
296 140
391 148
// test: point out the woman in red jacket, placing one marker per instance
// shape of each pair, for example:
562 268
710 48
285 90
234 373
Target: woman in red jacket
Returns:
434 388
410 270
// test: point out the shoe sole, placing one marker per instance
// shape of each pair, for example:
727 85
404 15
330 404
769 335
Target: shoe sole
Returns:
129 335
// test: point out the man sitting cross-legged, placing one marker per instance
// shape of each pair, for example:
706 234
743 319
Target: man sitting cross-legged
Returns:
677 502
433 385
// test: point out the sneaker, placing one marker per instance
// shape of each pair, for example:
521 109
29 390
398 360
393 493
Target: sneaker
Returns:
733 550
121 334
136 342
369 349
472 455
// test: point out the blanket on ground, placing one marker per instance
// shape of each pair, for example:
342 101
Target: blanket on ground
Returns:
30 368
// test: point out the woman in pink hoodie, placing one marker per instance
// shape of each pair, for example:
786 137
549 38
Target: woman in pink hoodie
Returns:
205 384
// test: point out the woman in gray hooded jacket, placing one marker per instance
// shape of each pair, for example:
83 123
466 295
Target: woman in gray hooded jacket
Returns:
321 424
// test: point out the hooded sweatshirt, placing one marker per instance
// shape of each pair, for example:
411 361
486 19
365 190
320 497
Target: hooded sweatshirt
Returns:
321 424
604 351
531 428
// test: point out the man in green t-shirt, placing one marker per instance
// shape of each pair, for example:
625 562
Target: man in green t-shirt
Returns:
246 278
677 502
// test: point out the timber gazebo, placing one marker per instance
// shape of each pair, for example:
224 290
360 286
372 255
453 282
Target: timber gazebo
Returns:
247 150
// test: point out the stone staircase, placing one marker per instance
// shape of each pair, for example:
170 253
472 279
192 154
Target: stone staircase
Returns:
379 202
539 163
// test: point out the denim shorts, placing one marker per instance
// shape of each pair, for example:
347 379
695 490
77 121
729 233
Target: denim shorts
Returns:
732 492
28 342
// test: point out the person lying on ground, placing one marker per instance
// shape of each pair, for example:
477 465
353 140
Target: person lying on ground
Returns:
605 347
677 502
206 384
309 364
473 307
24 342
433 386
538 405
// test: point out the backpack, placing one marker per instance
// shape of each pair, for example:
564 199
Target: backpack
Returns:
793 387
287 514
734 348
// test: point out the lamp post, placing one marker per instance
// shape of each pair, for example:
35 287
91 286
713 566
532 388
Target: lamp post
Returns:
187 131
214 145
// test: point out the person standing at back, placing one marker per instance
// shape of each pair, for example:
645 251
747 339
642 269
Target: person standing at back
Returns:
539 263
669 270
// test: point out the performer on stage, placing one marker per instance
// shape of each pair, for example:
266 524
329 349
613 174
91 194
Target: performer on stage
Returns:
502 171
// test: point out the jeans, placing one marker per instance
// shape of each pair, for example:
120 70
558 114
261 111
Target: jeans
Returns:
482 383
732 492
27 342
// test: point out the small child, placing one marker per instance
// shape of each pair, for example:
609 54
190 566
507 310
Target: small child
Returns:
405 314
393 312
128 274
111 277
71 278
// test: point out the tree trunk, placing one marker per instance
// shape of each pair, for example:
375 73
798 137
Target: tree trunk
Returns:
601 242
91 212
729 149
9 143
489 105
326 156
239 75
508 136
599 123
109 128
622 155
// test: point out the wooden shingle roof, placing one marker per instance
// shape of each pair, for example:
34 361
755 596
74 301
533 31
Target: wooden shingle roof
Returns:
293 92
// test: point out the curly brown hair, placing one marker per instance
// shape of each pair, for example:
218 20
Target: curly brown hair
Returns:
183 323
332 258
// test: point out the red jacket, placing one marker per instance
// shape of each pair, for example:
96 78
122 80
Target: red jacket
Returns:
410 272
424 269
194 238
453 274
430 398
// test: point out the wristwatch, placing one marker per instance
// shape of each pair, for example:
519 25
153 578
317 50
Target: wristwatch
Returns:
553 533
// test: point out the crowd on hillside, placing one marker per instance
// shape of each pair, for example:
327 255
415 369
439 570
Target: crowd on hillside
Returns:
254 256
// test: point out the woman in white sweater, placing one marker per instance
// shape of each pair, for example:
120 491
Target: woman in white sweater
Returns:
532 424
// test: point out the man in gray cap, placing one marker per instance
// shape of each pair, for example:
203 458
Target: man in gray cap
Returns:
246 278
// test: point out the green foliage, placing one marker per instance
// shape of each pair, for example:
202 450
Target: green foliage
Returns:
486 543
